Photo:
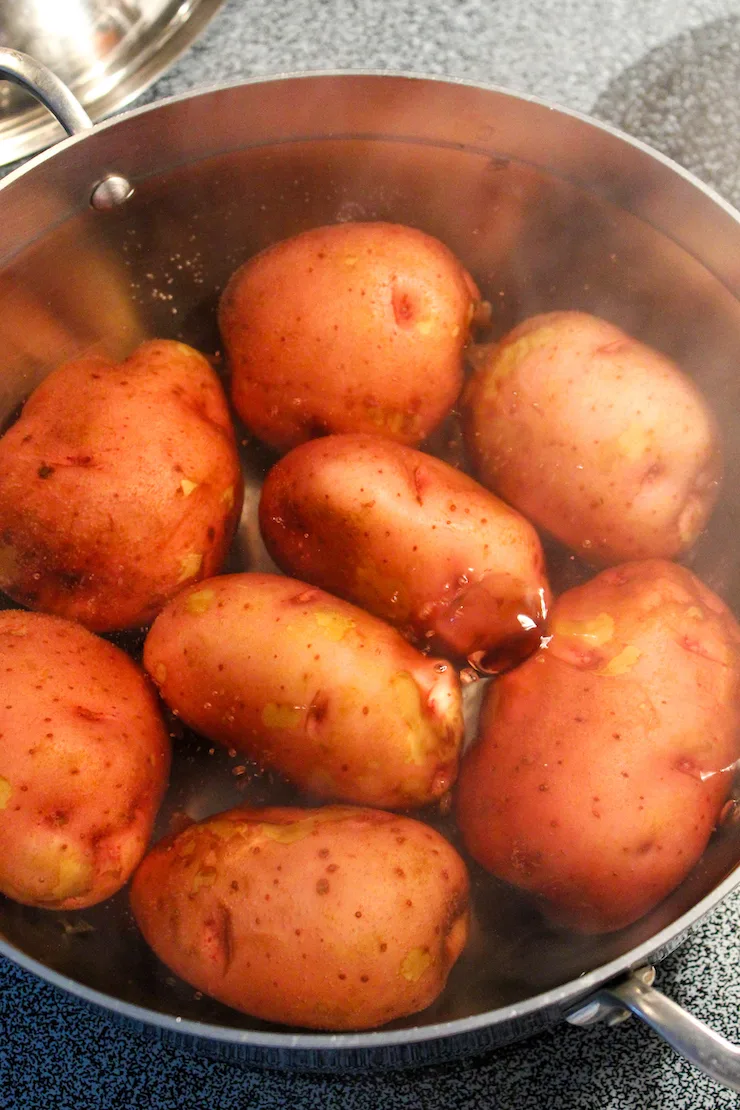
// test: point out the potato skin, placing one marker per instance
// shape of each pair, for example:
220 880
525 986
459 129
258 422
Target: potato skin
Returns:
332 918
332 698
355 327
595 437
604 760
118 483
84 760
412 540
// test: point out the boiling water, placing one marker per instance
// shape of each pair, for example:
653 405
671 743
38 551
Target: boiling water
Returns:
534 243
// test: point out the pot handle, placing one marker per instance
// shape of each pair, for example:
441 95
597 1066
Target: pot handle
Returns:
691 1038
113 190
45 86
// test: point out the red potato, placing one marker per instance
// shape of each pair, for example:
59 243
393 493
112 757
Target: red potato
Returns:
595 437
84 760
119 484
332 698
412 540
603 762
357 327
333 918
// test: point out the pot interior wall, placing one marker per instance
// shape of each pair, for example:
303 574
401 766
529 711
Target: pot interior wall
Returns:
534 242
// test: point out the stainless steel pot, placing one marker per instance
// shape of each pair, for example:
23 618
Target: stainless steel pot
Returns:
107 51
548 209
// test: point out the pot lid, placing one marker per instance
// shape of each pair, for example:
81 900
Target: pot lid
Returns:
106 51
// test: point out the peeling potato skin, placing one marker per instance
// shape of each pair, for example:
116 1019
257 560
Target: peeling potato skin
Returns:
333 918
118 484
409 538
324 693
594 436
356 327
84 761
603 761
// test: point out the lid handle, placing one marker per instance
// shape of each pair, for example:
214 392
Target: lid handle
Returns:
46 87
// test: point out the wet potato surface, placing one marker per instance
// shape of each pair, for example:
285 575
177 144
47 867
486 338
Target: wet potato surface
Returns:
595 437
479 880
411 539
604 761
332 918
83 764
378 314
313 687
119 484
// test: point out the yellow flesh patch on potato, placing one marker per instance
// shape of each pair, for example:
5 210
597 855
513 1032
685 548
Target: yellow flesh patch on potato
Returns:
5 791
511 355
205 877
390 420
74 873
596 630
654 599
415 963
200 601
223 830
634 441
689 520
195 838
695 614
275 715
187 486
289 834
422 738
335 626
305 826
227 497
160 672
424 327
189 351
621 663
190 565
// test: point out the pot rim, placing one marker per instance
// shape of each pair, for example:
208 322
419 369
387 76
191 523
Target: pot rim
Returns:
557 998
301 75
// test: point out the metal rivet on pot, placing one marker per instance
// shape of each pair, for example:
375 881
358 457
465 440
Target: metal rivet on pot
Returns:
585 1015
111 192
617 1017
645 974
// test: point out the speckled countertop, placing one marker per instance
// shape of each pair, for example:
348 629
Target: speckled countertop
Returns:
667 71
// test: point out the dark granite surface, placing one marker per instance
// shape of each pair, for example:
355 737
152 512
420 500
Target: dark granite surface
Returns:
669 73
